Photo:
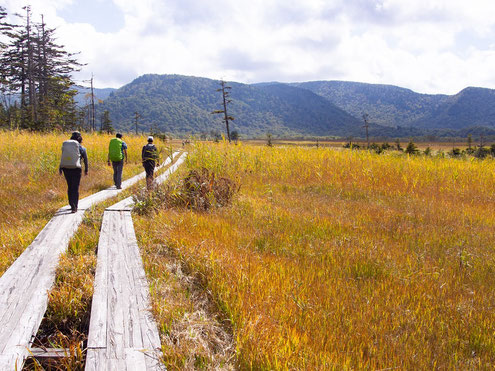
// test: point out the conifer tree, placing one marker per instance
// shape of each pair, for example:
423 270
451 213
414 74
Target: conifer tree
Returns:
106 123
38 72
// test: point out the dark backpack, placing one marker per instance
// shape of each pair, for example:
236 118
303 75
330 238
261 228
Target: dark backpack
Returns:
149 152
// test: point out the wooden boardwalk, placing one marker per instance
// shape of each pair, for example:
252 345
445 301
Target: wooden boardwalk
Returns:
122 332
24 287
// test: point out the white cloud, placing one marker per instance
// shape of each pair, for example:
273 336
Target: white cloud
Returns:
434 46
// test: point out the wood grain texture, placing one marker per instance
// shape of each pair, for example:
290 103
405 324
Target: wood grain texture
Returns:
128 339
49 352
130 335
24 287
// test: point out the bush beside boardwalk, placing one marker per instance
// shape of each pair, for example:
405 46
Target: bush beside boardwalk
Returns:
343 258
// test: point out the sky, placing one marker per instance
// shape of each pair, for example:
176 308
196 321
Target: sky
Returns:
429 46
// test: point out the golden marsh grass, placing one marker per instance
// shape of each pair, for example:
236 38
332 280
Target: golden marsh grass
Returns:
345 259
31 189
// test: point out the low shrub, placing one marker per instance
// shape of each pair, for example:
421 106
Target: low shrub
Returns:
200 190
456 152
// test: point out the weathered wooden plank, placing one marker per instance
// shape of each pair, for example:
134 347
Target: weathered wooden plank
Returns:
25 285
128 285
49 352
22 272
150 336
171 169
133 336
115 328
98 324
135 359
131 332
13 360
92 358
22 310
125 205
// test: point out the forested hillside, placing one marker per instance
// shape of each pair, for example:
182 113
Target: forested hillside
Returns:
472 107
470 111
183 105
386 105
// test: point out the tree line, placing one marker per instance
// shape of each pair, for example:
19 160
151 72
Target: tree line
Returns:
36 86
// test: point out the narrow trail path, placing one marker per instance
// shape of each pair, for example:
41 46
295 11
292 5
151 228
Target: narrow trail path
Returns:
25 285
122 332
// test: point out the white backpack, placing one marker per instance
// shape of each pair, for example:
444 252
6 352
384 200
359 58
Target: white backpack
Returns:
71 157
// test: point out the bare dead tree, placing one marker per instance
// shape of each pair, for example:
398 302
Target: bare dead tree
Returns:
366 125
225 89
136 121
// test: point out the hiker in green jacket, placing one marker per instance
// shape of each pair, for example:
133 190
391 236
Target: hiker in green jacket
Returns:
117 153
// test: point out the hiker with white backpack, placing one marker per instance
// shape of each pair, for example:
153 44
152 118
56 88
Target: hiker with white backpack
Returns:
70 165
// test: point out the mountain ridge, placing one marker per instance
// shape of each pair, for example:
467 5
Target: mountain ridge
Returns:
183 104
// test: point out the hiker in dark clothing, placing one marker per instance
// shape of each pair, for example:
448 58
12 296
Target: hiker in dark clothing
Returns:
71 167
117 153
150 158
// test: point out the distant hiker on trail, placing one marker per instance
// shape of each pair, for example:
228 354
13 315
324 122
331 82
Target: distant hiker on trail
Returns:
150 158
70 165
117 152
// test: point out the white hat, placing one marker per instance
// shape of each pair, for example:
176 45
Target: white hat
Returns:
150 139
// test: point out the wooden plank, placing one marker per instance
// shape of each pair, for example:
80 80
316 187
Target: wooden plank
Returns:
135 359
171 169
12 361
151 338
98 324
125 323
22 272
22 310
133 336
125 205
132 341
49 352
25 285
92 356
115 319
136 273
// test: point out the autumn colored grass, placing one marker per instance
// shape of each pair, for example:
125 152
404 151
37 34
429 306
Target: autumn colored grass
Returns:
31 189
326 258
66 321
341 259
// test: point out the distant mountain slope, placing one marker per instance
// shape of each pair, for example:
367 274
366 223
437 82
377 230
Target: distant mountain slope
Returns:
84 94
393 106
470 107
182 104
386 105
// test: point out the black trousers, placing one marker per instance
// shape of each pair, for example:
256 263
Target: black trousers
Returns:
149 167
73 177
